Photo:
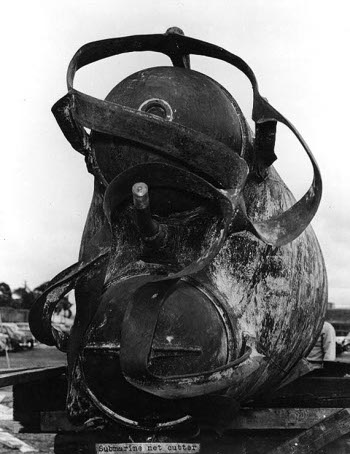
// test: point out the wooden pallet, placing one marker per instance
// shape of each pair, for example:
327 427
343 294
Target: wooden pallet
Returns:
311 414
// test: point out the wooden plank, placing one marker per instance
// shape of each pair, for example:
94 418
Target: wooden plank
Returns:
320 435
11 378
279 418
16 369
10 441
310 392
337 368
55 421
34 397
266 419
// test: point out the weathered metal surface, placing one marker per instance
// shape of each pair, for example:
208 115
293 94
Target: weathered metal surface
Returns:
231 295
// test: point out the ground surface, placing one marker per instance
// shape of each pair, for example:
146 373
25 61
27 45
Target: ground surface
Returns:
41 355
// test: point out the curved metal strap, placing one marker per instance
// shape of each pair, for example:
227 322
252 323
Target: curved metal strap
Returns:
152 286
198 152
207 157
276 231
280 230
43 308
168 44
164 175
160 175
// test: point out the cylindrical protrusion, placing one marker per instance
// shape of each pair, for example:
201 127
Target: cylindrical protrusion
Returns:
182 61
140 195
149 228
177 30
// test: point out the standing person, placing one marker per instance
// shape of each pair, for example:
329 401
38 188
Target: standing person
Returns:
324 348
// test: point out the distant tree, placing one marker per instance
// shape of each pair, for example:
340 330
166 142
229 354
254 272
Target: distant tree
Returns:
64 305
42 287
25 297
5 294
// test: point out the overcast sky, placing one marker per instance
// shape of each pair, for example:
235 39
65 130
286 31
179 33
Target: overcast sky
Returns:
299 51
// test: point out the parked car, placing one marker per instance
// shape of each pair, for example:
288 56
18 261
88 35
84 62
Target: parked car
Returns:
343 344
24 326
18 339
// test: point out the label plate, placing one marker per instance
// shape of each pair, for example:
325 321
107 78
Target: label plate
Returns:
155 448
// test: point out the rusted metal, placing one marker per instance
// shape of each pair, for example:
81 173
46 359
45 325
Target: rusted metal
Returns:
93 114
178 59
198 271
150 230
41 313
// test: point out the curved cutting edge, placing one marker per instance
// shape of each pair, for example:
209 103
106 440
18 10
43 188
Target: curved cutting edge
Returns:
83 110
41 312
280 230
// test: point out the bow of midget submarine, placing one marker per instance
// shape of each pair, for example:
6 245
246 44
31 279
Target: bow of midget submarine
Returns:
199 274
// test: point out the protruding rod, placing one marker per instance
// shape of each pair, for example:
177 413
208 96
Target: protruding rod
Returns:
140 195
149 228
182 61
